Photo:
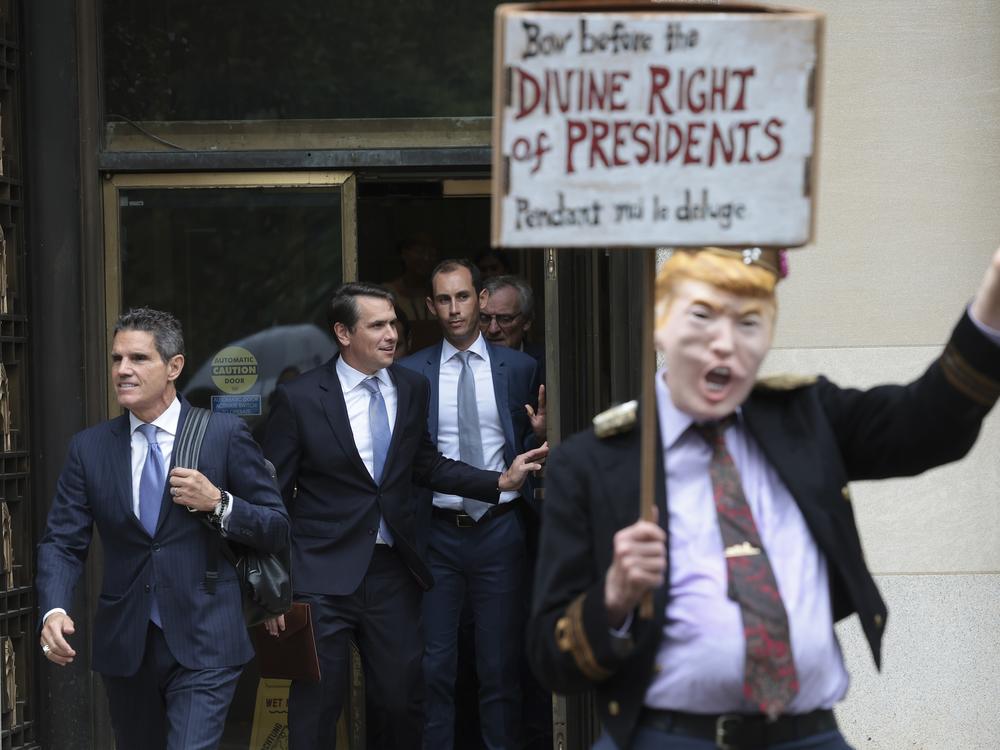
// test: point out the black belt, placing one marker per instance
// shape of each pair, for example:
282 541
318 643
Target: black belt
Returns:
740 731
465 521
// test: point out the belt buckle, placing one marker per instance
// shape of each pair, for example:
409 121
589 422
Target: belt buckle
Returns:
723 725
464 521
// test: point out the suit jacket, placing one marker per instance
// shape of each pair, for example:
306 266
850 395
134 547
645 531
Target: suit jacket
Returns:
333 501
537 352
204 631
515 383
817 436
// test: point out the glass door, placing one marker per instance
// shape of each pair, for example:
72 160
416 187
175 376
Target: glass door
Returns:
247 262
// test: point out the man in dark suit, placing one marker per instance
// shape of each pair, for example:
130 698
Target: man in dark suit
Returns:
756 552
507 314
349 440
169 650
475 550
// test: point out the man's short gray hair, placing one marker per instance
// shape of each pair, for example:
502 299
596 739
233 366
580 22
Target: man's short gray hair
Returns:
166 329
525 296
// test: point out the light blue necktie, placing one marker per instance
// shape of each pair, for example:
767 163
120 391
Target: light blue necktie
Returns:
470 436
378 424
151 493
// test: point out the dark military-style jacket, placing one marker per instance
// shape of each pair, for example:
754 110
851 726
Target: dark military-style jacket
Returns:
818 437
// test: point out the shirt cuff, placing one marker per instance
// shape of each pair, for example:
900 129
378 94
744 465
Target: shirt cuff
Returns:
506 497
228 511
991 333
52 612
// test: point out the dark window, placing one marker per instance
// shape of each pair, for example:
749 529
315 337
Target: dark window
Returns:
323 59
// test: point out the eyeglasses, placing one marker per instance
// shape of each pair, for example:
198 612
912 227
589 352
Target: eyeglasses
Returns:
504 321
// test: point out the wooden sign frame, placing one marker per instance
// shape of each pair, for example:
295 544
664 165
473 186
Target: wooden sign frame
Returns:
646 124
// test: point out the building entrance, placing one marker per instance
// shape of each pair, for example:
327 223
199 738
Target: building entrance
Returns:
248 262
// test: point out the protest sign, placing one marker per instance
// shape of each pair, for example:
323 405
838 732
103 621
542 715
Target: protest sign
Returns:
648 124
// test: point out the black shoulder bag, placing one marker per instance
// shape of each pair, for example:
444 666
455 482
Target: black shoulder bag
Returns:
264 576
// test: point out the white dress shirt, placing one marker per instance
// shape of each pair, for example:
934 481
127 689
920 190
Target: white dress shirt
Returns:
486 404
357 398
166 433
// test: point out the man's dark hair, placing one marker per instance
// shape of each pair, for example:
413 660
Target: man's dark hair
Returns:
166 329
453 264
404 322
525 296
344 304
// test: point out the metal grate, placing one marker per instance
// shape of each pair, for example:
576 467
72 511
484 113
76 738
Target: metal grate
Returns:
18 642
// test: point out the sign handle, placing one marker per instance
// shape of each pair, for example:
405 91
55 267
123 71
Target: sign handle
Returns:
647 404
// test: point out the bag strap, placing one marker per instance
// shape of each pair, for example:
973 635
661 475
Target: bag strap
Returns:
186 453
188 446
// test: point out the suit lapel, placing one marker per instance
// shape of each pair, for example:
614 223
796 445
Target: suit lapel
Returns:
167 502
335 408
432 371
122 467
498 366
785 444
404 395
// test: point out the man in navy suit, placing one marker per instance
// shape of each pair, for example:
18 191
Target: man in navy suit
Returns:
473 550
170 651
349 440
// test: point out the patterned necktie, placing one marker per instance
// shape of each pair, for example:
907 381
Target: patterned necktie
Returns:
470 437
378 424
770 680
151 481
151 484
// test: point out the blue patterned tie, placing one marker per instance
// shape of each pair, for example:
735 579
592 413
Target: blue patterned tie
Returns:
470 436
151 493
378 424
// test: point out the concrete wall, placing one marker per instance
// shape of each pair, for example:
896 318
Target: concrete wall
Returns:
909 213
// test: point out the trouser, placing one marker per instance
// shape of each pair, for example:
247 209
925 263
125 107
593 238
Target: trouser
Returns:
166 705
384 616
487 563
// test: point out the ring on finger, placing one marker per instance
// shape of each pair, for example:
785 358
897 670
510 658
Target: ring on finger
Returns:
46 648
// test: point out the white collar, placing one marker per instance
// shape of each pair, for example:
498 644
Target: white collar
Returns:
167 421
350 378
477 347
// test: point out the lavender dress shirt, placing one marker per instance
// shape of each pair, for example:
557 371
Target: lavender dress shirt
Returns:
701 657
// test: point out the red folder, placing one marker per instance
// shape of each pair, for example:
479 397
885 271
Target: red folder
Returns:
291 655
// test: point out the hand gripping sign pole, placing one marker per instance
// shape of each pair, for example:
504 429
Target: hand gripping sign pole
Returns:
645 124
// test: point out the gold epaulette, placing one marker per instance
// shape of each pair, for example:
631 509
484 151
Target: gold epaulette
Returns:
616 420
572 639
785 382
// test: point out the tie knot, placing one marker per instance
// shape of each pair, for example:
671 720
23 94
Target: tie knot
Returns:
149 432
371 385
714 432
464 357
